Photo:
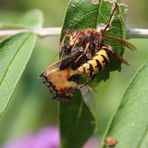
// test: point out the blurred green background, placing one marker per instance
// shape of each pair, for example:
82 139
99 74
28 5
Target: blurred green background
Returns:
31 106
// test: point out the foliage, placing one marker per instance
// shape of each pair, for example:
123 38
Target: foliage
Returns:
15 52
78 117
12 63
129 123
84 14
75 117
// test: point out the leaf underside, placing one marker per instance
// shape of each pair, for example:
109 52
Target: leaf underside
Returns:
129 125
83 14
15 52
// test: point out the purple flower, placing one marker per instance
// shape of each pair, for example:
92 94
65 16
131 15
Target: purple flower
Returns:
92 143
46 138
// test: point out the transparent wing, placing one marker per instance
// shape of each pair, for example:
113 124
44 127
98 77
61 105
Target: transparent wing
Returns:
89 98
127 44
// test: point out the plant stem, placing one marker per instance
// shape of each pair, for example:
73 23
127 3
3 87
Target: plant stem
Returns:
42 32
137 33
53 31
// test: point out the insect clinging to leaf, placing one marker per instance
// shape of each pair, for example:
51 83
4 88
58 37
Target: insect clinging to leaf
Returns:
83 52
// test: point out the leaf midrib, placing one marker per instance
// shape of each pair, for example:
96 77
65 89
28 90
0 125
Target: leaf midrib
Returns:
143 137
98 13
1 81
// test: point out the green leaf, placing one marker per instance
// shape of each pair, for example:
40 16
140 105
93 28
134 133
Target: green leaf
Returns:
10 26
33 19
83 14
76 119
76 122
117 29
80 14
15 52
129 125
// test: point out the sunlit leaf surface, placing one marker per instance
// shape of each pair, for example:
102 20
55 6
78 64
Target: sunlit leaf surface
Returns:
130 123
15 52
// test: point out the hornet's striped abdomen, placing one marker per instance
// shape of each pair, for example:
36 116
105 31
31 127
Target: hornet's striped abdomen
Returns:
98 62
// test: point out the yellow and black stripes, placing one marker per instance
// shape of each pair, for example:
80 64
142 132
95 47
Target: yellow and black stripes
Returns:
97 63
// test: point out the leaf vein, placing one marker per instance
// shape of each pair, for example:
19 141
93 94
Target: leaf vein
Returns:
13 59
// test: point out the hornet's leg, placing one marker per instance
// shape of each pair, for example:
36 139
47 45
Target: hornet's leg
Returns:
85 51
110 19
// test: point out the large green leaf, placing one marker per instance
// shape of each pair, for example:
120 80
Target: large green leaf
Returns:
76 122
15 52
75 117
130 123
31 19
117 29
82 14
